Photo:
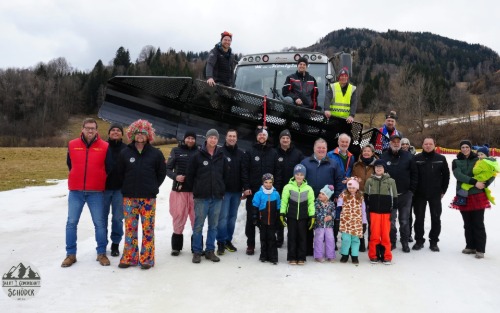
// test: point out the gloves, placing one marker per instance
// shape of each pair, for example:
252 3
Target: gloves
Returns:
311 223
364 228
283 220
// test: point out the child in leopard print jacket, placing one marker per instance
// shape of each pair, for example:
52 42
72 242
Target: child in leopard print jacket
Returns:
352 218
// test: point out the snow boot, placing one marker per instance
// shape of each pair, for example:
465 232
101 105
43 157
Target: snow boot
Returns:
355 260
344 258
362 244
221 248
177 243
114 250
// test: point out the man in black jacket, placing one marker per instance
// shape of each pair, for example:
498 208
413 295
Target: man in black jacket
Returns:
301 88
288 157
221 61
181 202
206 172
433 180
236 182
143 170
113 197
401 167
260 159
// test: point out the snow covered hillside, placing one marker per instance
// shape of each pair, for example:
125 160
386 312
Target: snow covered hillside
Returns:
33 231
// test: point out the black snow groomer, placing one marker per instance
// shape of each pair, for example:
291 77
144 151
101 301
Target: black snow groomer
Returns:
177 104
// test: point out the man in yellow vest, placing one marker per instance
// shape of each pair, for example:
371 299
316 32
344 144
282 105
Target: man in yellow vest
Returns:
341 100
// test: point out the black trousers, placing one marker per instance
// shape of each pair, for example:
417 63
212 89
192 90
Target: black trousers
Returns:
249 226
268 249
475 232
297 233
435 208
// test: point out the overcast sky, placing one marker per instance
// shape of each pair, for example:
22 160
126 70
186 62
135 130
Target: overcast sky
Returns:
84 31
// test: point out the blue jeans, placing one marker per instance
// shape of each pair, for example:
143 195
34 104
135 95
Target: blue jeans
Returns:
202 208
95 202
227 217
114 199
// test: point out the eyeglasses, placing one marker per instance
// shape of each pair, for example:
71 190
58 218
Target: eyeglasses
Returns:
90 128
405 144
142 132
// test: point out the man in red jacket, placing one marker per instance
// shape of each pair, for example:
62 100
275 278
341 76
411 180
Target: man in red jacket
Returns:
86 181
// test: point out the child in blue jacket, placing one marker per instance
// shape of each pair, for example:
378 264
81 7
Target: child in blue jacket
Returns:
266 205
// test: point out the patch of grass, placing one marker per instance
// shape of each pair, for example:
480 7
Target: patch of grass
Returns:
23 167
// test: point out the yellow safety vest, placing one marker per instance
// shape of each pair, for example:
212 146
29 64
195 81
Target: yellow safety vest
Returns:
341 104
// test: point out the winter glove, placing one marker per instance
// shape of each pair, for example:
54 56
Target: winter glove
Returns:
311 223
283 220
364 228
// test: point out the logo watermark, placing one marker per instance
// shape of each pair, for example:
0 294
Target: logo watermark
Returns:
21 281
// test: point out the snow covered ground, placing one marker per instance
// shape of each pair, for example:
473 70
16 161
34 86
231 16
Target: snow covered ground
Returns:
33 228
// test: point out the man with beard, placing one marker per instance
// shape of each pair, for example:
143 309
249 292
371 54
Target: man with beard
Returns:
401 167
288 157
262 158
221 61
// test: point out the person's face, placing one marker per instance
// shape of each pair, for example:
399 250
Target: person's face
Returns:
320 150
115 134
212 141
344 144
379 170
226 42
352 189
405 146
302 67
395 144
343 79
231 138
261 138
89 131
141 136
190 141
299 178
390 123
268 184
367 152
285 142
481 155
465 149
322 197
428 145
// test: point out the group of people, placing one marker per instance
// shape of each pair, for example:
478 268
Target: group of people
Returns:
315 197
300 88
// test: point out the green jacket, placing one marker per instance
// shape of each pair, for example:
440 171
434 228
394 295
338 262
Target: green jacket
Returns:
297 202
381 194
462 170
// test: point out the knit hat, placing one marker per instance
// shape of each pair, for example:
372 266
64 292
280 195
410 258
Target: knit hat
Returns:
344 71
189 133
224 34
392 115
484 150
405 140
212 132
261 130
327 190
466 142
302 59
299 168
267 176
141 126
379 162
285 132
353 182
115 125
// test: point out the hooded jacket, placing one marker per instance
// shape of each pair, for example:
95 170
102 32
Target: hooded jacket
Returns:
381 194
297 202
177 164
